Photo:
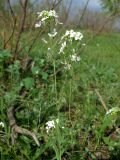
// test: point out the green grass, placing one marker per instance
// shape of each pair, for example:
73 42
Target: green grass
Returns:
71 97
105 49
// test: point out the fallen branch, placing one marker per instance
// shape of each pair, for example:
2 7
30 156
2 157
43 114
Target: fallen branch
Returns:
15 129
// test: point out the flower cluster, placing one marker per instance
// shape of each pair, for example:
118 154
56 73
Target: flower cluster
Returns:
51 124
2 124
70 38
46 16
72 35
66 42
75 58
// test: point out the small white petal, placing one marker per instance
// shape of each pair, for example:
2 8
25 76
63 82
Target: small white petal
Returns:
53 34
44 41
38 24
84 44
2 124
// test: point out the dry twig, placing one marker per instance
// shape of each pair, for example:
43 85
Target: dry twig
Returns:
101 99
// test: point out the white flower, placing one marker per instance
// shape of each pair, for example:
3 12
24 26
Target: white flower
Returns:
47 16
72 35
113 111
53 34
67 66
63 45
38 24
67 33
44 18
78 36
49 49
51 124
78 58
75 58
2 124
52 13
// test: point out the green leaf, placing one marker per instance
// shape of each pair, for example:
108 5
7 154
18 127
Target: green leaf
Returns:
44 76
28 82
39 151
4 55
35 70
106 140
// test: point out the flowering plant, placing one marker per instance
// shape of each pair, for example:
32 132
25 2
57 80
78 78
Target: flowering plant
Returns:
67 53
46 16
67 41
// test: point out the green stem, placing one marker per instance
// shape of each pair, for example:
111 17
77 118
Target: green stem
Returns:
55 81
70 102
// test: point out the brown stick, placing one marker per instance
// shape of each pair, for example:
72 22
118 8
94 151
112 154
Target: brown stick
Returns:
101 100
15 129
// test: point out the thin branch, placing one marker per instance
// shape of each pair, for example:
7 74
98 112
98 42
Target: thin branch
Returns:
14 23
32 43
101 100
34 40
24 11
56 4
11 10
68 10
83 13
13 31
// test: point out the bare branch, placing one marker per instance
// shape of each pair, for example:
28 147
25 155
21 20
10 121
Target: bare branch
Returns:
14 24
11 10
68 10
13 31
24 11
84 10
15 129
56 4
